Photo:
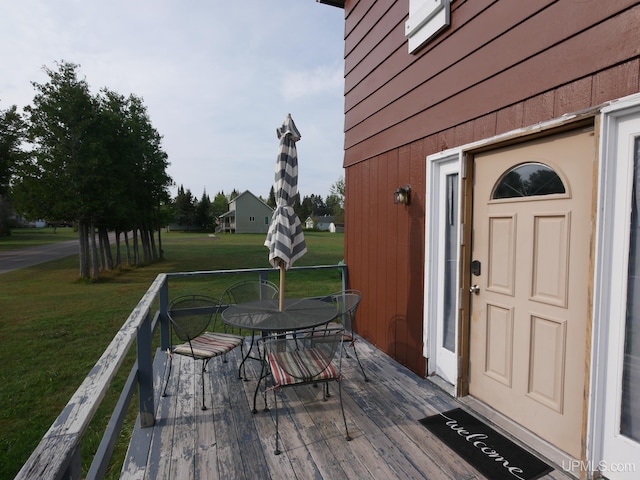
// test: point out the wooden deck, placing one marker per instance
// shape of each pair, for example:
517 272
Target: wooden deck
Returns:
227 441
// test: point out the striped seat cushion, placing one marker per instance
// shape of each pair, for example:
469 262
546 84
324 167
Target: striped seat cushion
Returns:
289 368
210 344
346 335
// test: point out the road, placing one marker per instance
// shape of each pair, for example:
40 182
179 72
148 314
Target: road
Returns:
28 257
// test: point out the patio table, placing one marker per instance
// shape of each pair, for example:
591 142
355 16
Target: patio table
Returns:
265 316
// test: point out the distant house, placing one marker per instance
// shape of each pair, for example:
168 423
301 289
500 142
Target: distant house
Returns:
247 214
309 223
324 223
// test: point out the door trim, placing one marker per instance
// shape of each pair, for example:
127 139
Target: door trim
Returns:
451 161
607 229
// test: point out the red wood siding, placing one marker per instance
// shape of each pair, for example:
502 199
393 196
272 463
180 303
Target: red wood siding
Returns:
501 65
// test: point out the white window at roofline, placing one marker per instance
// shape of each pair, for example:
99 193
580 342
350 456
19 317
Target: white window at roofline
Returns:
427 18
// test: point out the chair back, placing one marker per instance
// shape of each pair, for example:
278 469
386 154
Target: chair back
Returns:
190 315
347 303
305 358
249 291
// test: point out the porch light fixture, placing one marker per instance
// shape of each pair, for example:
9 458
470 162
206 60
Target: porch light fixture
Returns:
402 195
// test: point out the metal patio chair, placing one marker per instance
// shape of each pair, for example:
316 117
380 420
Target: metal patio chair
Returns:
304 358
190 316
347 303
248 291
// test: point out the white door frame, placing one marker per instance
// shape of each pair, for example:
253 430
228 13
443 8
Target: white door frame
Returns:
612 248
448 162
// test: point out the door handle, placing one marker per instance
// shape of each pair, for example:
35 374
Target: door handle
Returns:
475 289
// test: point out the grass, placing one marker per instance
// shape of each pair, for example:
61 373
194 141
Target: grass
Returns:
55 327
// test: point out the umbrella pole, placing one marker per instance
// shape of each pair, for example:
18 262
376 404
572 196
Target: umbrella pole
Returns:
281 306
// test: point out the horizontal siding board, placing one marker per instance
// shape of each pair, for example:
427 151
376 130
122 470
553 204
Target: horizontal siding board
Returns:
481 47
375 74
355 34
375 69
615 82
570 61
355 12
539 108
449 68
565 62
373 42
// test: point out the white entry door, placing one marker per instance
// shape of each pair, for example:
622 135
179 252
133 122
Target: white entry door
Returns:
441 285
621 316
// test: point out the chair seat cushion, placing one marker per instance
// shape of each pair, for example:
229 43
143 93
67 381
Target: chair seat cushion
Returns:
346 336
289 368
210 344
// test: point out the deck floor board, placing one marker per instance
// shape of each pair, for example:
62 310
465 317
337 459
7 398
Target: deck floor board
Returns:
228 441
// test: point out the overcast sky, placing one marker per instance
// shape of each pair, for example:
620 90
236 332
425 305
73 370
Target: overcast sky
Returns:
217 77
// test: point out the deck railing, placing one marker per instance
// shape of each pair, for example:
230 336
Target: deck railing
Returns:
58 455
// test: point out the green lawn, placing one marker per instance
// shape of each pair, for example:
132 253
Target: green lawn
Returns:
55 327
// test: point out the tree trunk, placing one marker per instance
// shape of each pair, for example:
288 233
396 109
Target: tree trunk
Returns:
136 251
152 240
102 263
94 252
127 247
118 257
83 242
160 243
146 249
106 244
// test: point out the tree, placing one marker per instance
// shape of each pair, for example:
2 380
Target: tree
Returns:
220 205
185 207
306 209
97 161
11 137
150 177
335 200
272 198
203 216
338 190
59 177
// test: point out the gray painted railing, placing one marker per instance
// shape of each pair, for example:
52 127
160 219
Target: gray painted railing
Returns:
58 455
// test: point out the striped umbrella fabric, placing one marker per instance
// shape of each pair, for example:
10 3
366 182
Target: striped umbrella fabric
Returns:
285 239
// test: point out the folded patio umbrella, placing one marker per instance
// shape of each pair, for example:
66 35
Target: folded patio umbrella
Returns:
285 239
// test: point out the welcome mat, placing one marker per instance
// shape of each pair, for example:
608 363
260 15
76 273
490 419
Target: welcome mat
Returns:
495 456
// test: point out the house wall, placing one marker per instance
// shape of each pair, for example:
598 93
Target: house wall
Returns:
501 65
246 206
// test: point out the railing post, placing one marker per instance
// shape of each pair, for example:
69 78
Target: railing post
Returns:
145 373
345 277
165 341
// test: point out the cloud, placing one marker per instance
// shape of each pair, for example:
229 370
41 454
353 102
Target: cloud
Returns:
320 79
